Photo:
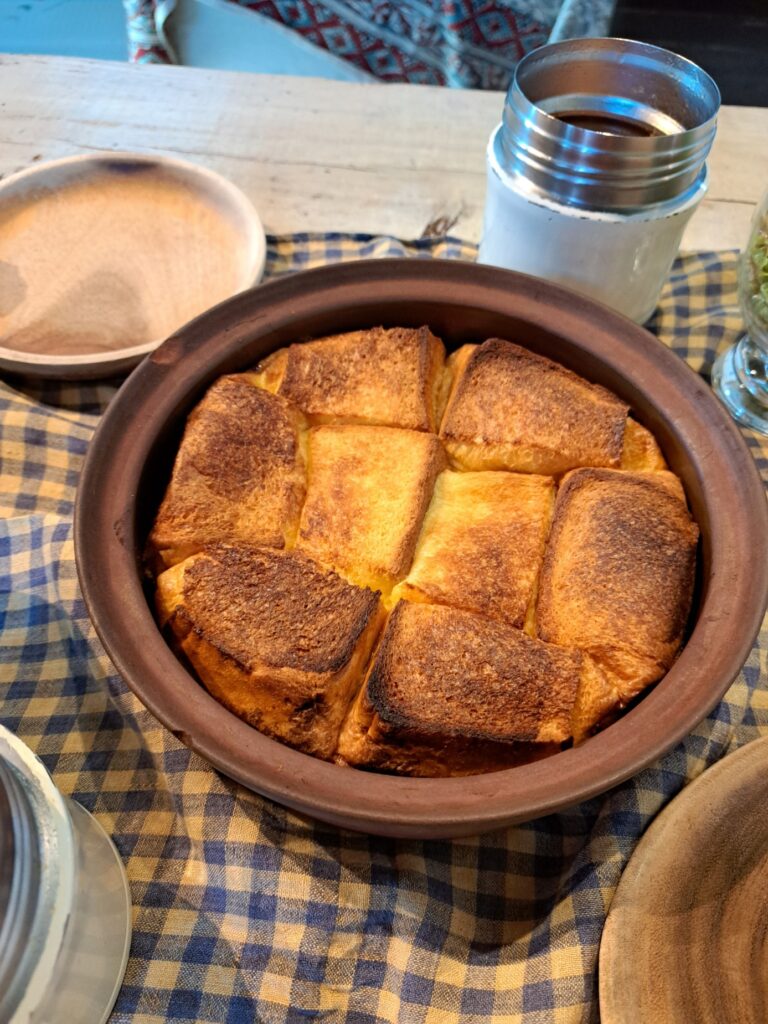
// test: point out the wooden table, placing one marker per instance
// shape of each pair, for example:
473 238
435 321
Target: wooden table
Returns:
318 155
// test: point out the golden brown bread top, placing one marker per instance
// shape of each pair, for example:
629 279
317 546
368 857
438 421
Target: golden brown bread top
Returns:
482 543
641 451
455 364
269 371
388 377
238 474
514 409
618 572
368 490
268 609
454 690
442 670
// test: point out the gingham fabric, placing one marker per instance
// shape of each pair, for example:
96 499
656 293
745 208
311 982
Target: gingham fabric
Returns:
242 910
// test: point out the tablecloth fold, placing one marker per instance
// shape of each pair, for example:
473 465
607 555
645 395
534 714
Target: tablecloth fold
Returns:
243 910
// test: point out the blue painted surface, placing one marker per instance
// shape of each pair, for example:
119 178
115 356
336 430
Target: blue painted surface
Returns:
67 28
211 34
204 34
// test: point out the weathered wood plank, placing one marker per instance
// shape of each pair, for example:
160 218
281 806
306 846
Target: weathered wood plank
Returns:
317 155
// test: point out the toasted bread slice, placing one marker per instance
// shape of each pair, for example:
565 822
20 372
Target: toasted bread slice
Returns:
274 638
367 493
597 702
453 693
385 377
452 374
513 409
482 543
618 573
239 474
641 452
367 741
269 372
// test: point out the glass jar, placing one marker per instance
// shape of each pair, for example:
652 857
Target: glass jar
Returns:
740 375
65 908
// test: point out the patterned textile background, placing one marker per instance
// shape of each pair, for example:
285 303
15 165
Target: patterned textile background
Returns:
467 43
246 912
147 41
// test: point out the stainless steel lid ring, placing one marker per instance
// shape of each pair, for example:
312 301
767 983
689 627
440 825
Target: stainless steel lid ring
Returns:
608 124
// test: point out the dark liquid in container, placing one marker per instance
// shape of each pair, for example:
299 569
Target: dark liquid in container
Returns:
609 124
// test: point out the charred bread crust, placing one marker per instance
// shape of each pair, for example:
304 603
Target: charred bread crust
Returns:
274 638
441 670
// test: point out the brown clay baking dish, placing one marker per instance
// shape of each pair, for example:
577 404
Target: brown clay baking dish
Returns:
130 459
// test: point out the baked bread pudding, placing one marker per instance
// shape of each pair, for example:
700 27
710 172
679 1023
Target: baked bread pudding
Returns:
421 564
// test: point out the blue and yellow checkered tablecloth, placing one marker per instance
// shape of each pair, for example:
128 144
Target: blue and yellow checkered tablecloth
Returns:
242 910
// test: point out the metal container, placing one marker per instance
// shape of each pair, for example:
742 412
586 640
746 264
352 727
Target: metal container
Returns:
65 909
597 166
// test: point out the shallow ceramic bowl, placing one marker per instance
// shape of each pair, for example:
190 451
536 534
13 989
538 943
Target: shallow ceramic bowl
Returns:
130 459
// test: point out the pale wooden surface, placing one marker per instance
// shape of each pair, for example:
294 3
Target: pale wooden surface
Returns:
685 941
317 155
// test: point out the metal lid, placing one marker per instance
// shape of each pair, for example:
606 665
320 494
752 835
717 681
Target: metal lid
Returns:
608 124
19 886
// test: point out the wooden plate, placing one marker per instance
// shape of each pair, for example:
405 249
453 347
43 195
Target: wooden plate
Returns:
687 934
102 257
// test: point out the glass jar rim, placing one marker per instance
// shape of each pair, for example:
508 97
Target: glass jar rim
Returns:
20 888
32 957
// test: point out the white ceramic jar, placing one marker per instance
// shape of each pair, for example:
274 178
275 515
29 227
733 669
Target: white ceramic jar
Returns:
597 167
65 908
